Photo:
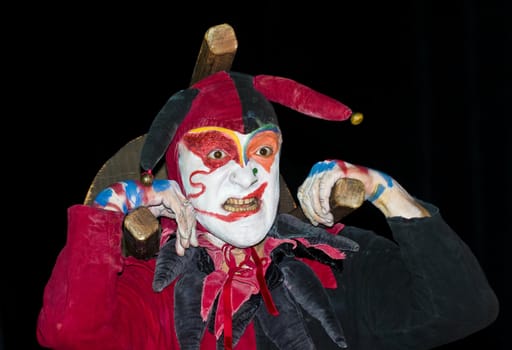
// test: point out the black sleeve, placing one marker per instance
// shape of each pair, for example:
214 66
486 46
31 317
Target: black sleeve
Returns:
420 291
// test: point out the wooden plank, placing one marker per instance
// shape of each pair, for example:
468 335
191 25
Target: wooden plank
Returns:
216 53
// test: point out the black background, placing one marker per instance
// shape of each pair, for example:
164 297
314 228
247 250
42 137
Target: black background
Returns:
432 79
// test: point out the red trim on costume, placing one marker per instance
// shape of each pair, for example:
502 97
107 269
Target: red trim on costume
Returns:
265 293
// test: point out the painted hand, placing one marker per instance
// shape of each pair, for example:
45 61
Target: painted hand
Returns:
162 198
380 189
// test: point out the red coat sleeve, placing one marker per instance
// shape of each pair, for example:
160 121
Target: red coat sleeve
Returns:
98 299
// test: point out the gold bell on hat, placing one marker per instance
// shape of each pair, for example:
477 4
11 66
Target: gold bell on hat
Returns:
356 118
147 178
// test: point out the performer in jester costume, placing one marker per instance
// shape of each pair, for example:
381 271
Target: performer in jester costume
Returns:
231 271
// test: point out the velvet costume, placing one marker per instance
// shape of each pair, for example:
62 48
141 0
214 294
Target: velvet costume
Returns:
424 291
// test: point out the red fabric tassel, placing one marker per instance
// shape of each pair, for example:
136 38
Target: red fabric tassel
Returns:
226 297
227 289
265 293
228 321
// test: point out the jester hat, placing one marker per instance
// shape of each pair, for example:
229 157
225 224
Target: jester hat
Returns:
230 100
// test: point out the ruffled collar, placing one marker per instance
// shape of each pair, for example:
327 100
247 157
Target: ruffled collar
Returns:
239 274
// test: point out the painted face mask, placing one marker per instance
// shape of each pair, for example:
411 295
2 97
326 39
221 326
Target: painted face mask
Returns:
232 180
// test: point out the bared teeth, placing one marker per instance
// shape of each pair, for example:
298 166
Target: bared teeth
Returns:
236 205
237 201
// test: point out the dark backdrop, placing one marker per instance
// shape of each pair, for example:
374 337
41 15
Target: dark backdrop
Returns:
432 79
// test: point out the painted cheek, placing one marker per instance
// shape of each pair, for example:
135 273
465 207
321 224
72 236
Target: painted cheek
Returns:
191 168
208 182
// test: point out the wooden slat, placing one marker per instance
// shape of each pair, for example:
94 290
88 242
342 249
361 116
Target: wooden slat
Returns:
216 53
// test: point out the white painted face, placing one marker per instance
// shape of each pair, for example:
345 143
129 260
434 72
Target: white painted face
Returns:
232 180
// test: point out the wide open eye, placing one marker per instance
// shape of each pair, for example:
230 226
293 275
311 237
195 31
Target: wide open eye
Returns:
265 151
217 154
